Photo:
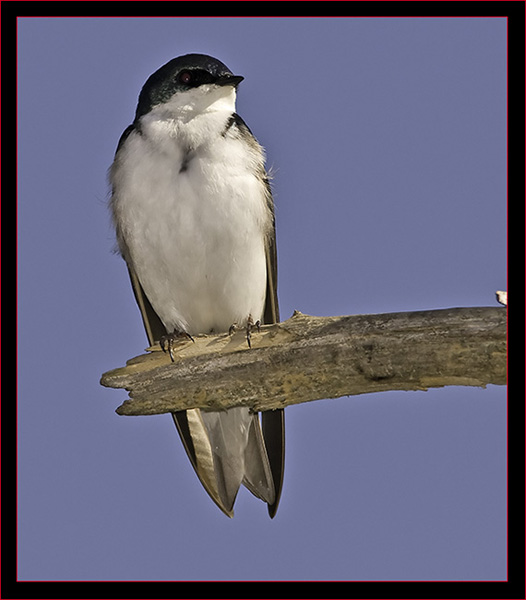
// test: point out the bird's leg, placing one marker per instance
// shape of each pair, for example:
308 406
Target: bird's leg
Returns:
167 341
248 330
250 327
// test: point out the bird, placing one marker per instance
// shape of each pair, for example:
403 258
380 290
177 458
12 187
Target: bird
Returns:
193 214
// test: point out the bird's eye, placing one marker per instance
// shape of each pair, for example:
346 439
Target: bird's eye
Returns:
185 77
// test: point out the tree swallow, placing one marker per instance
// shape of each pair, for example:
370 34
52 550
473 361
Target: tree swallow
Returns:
194 219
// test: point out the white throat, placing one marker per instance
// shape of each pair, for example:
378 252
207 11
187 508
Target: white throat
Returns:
204 99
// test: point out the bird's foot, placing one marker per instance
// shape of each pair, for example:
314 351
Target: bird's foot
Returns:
167 341
250 327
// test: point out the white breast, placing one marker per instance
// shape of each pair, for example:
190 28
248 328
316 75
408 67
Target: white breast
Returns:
192 219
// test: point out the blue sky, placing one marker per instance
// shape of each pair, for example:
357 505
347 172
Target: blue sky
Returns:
386 138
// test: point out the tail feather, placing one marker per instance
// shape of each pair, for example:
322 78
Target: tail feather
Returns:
258 476
204 461
227 449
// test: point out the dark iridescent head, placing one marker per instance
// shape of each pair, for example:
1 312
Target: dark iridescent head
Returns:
182 74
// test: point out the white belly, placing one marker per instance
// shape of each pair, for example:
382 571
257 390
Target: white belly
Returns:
195 236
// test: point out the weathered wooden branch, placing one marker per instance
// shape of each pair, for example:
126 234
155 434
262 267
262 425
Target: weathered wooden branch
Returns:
309 358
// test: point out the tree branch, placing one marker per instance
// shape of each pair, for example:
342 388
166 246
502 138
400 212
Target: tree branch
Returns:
309 358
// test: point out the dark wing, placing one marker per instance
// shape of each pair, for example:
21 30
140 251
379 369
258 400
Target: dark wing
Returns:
273 421
152 323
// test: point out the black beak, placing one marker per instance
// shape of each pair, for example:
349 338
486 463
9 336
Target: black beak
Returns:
233 80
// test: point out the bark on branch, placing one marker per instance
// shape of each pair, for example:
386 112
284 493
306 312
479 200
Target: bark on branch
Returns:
309 358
